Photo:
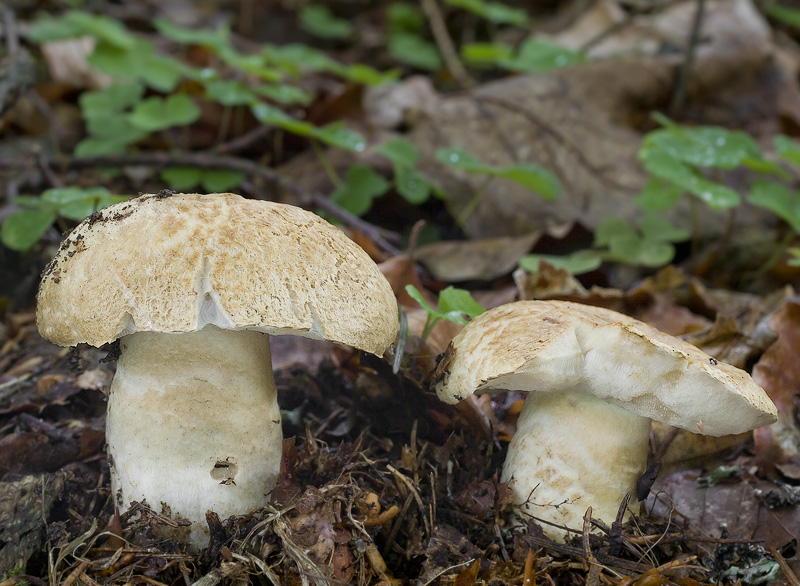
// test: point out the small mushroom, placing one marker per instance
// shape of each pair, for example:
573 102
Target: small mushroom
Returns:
192 285
596 379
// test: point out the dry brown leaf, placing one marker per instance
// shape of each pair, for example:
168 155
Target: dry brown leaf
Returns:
475 260
778 372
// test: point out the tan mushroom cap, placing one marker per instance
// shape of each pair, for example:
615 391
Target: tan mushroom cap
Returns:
177 263
551 346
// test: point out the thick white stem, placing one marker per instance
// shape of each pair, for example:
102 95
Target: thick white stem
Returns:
193 423
573 451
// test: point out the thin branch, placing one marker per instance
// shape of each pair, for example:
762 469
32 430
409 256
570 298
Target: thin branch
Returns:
445 44
682 82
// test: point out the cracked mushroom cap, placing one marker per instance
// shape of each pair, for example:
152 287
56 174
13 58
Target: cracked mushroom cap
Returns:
552 346
175 263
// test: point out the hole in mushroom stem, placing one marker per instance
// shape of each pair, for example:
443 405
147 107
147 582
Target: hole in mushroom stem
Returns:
224 471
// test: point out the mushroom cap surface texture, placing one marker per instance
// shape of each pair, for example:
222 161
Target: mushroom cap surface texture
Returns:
552 346
175 263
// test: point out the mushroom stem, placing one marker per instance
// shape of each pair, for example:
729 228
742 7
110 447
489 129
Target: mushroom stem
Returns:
572 451
193 421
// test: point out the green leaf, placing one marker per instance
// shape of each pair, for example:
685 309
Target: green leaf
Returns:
786 15
337 135
115 61
611 228
400 151
320 22
658 195
411 184
656 228
213 39
94 146
157 113
161 72
459 301
50 29
788 149
110 100
414 293
404 16
284 94
366 75
220 180
665 166
21 230
77 203
495 12
538 56
486 54
412 49
534 178
778 199
181 178
103 28
794 261
583 261
461 159
654 254
703 146
230 93
297 57
361 186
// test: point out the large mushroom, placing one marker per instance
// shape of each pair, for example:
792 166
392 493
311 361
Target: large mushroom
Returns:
192 285
596 379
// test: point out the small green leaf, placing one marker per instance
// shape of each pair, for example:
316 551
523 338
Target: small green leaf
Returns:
94 146
461 159
157 113
534 178
181 178
413 50
656 228
654 254
404 16
486 54
414 293
788 149
21 230
50 29
400 151
110 100
611 228
538 56
495 12
703 146
778 199
337 135
318 20
786 15
794 253
297 57
161 72
116 61
361 186
284 94
665 166
103 28
452 300
583 261
221 180
77 203
213 39
366 75
659 195
411 184
230 93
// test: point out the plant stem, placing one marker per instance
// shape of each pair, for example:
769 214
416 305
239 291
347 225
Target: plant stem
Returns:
473 203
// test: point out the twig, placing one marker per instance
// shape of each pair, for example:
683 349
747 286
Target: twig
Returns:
244 141
681 83
445 44
10 31
791 577
593 578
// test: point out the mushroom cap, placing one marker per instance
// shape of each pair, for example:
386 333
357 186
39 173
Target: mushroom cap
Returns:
551 346
175 263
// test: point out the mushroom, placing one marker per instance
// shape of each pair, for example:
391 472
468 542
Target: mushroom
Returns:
192 285
596 379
